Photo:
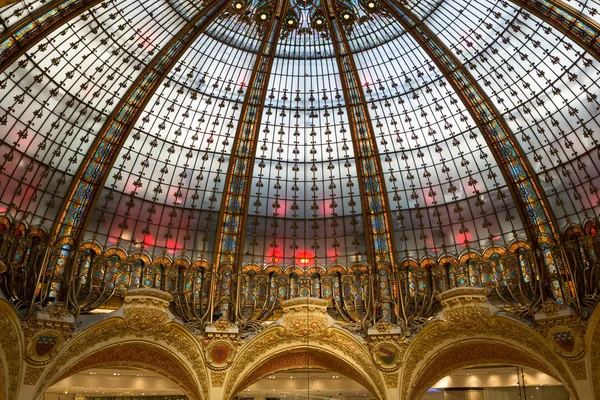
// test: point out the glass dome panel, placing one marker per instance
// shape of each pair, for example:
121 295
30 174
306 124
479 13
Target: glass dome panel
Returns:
546 89
58 95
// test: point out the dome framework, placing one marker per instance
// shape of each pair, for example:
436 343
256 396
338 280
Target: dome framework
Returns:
391 189
381 240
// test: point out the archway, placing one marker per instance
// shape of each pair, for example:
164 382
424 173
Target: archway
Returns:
305 383
305 336
115 381
137 355
476 352
304 360
497 382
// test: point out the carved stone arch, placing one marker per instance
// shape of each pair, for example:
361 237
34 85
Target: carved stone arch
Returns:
300 357
142 321
467 317
141 353
305 327
12 349
476 352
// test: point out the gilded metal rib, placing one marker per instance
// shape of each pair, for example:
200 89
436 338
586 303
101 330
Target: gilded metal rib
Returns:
229 243
89 180
371 184
572 23
27 32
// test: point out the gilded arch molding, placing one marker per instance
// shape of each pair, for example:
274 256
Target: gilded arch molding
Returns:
290 338
145 322
309 357
26 33
231 225
139 354
477 323
12 350
473 352
376 213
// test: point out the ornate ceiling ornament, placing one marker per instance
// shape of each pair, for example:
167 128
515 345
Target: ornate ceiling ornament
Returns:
57 311
387 356
223 324
219 355
568 343
43 346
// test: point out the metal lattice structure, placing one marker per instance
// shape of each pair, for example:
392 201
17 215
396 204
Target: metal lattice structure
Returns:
240 153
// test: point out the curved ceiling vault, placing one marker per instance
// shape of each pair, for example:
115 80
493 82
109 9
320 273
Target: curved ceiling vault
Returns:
300 132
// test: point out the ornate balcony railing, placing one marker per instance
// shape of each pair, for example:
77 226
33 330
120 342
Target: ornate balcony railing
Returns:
97 277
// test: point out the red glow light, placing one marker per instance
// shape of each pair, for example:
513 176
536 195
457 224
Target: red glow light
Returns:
304 257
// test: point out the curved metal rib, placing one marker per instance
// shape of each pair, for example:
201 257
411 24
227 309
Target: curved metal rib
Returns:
27 32
519 176
90 178
572 23
372 187
375 211
229 243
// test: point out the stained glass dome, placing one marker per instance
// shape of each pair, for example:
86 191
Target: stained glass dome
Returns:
317 132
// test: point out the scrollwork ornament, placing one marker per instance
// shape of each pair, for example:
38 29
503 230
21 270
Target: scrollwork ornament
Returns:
32 374
57 311
223 324
9 340
383 326
578 369
217 379
391 380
